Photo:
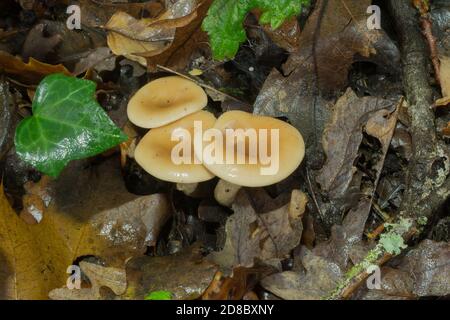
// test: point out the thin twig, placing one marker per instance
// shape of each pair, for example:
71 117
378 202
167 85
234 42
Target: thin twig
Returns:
199 83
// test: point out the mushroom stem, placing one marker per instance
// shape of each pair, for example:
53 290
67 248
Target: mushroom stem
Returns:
225 192
187 188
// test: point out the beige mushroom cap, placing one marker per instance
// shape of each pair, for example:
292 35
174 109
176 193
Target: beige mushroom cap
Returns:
165 100
291 150
154 151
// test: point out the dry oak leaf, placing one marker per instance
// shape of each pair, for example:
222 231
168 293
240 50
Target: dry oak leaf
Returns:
30 73
250 235
140 38
342 138
99 276
423 272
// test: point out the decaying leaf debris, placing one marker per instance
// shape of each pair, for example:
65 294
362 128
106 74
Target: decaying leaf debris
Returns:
372 105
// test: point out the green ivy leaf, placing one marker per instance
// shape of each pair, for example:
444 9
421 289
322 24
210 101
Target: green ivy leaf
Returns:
224 22
67 124
159 295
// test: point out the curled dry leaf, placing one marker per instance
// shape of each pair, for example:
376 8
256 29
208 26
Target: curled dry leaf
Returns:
140 38
250 235
30 73
185 275
99 276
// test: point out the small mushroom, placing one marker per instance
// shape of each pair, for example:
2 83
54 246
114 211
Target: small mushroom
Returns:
154 153
164 101
271 160
225 192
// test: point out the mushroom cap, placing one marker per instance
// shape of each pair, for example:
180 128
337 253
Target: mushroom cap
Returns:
291 150
165 100
154 151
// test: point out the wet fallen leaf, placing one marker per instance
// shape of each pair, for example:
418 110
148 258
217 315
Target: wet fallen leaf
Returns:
250 235
79 221
28 267
30 73
99 277
189 40
317 279
287 36
186 275
36 45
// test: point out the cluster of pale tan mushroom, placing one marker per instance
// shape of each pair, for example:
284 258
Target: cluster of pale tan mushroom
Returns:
168 103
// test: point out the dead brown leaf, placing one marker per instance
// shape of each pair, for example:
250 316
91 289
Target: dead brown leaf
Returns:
250 235
36 45
139 38
99 277
89 213
186 275
237 285
29 73
334 37
423 272
318 278
343 136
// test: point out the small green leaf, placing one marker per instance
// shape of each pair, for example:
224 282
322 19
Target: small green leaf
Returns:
159 295
67 124
224 22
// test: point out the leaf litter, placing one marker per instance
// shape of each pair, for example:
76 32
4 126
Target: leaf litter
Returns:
308 237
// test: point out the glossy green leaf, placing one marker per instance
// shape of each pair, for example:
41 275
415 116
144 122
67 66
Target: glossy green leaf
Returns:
224 23
67 124
159 295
